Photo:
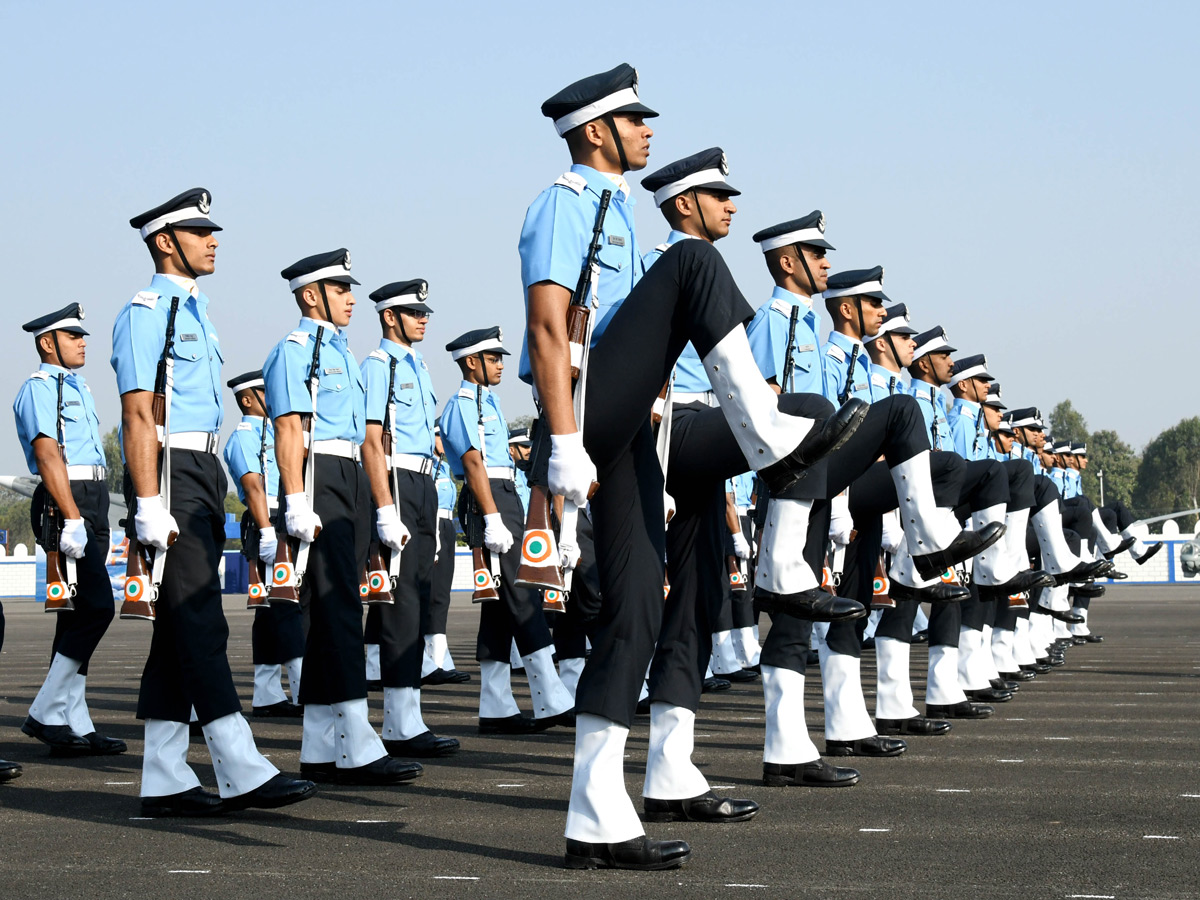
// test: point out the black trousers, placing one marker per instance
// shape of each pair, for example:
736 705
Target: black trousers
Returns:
188 665
570 628
517 615
77 633
433 618
704 455
329 593
401 639
277 634
688 295
1120 515
1077 516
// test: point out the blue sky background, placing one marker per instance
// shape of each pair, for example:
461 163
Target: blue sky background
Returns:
1026 172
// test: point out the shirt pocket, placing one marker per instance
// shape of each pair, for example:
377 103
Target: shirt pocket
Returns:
617 258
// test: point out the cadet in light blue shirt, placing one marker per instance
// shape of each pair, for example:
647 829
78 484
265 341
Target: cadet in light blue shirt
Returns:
36 411
341 395
854 300
795 255
969 384
891 352
930 369
518 449
1027 426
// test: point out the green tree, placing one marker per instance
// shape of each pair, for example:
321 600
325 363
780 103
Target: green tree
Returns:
1119 462
1168 479
14 517
1067 423
522 422
112 459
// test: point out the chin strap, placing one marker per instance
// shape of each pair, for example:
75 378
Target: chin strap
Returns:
703 223
483 373
325 300
812 282
57 349
608 120
182 256
887 336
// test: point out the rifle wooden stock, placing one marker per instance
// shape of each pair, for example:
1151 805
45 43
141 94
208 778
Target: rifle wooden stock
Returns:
666 586
59 586
880 586
285 585
1018 601
377 583
577 321
660 404
552 601
737 579
140 592
485 581
541 565
258 586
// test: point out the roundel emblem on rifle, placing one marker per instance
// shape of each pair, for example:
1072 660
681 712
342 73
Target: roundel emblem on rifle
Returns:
281 574
551 596
537 546
879 586
376 582
133 587
483 578
948 577
55 590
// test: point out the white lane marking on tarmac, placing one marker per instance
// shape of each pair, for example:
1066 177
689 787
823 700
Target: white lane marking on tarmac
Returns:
746 885
1058 739
120 782
1010 760
141 818
370 821
721 787
189 872
1189 795
1093 896
1146 694
1160 837
752 719
874 830
510 785
1016 720
954 790
455 877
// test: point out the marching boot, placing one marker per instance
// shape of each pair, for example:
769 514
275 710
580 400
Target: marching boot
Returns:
776 445
894 696
498 710
1057 557
169 786
47 720
405 733
670 772
787 739
316 744
245 778
80 722
942 688
846 716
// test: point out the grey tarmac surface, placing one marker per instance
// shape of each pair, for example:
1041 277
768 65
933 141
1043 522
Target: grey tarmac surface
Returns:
1086 785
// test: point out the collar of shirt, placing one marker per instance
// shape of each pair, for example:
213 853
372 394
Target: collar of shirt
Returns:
470 386
602 181
331 332
847 343
188 284
676 236
794 299
55 370
166 284
966 407
392 348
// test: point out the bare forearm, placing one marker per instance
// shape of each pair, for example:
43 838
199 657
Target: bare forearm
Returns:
54 475
256 499
289 453
731 517
377 467
550 354
140 438
477 480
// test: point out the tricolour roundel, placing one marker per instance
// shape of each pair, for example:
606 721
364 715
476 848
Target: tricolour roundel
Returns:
735 577
483 578
536 548
282 573
133 588
879 586
55 590
376 582
258 591
363 590
948 577
552 596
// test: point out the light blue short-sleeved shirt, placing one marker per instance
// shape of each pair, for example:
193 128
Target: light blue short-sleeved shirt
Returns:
460 428
743 490
341 412
36 412
416 403
838 351
885 382
768 335
522 484
242 455
447 493
968 433
555 238
138 337
932 402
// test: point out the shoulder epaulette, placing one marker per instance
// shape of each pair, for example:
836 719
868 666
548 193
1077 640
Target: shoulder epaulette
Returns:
781 306
836 352
40 375
574 181
244 426
466 393
378 353
146 298
878 379
299 337
663 248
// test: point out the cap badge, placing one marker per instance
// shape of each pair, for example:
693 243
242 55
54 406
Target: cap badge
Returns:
203 204
346 261
821 223
724 166
423 291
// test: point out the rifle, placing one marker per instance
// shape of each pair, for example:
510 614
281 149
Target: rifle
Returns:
880 588
789 361
380 557
258 572
737 578
291 554
485 566
845 394
60 569
978 432
144 570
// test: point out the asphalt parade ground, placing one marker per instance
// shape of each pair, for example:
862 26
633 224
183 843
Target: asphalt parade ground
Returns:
1086 785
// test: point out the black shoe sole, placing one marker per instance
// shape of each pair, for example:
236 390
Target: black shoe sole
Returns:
571 861
682 817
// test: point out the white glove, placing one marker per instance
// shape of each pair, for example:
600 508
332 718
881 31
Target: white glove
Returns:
568 555
893 533
841 523
73 540
571 469
268 543
741 546
391 530
300 519
152 523
668 507
496 537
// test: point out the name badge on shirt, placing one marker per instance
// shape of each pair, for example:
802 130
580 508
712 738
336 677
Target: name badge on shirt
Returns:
489 418
407 386
805 348
189 337
616 240
71 403
334 370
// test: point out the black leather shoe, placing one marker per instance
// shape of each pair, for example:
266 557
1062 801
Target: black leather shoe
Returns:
1081 572
278 791
989 695
1087 589
1150 551
871 746
1019 675
812 604
61 740
938 593
1037 668
194 802
1094 638
964 710
446 676
640 853
715 685
562 720
820 441
384 770
1029 580
741 676
1052 661
423 746
284 709
921 637
1121 548
514 724
1118 576
321 773
1079 640
708 807
1063 615
1107 567
104 746
817 773
9 770
1003 684
918 725
966 545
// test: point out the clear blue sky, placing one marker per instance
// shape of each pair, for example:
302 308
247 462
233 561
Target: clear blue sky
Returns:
1026 172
